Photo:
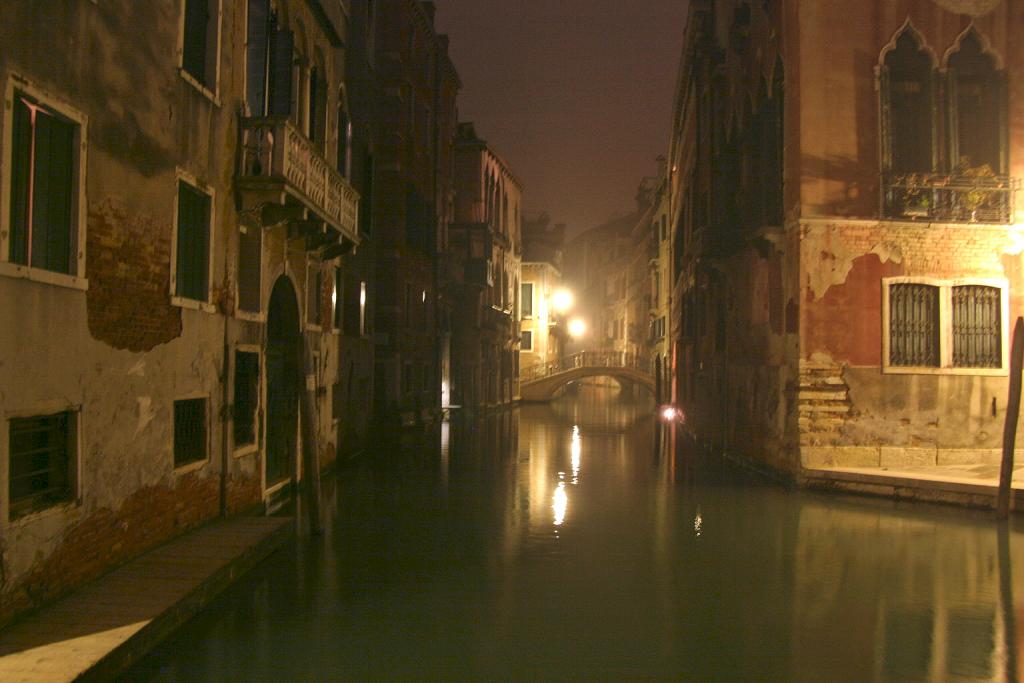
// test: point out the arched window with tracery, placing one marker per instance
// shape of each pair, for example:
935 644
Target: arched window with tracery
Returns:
908 107
976 99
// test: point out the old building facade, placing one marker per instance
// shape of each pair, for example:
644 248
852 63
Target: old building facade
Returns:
847 239
173 208
544 300
415 124
486 239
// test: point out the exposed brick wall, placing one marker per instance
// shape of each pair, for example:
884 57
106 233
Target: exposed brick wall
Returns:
129 270
108 538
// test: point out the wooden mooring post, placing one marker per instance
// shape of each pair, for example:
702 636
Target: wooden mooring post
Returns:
1010 426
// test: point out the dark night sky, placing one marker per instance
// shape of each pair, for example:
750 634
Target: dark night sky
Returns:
576 95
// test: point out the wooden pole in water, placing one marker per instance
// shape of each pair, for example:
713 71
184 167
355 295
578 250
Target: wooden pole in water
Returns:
310 451
1012 413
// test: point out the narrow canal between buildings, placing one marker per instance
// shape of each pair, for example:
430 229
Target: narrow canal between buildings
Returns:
556 542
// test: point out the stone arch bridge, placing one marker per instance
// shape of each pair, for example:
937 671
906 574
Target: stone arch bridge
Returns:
543 382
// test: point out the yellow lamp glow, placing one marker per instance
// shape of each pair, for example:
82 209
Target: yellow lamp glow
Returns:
577 328
562 300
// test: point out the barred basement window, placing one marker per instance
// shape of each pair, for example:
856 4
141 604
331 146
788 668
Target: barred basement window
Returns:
42 453
189 431
977 329
914 325
247 392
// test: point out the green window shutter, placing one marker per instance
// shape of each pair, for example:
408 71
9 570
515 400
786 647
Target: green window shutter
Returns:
281 49
192 273
52 194
193 58
256 56
21 167
249 269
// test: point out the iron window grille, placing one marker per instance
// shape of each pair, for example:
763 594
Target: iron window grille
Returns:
189 431
914 325
950 325
42 460
977 327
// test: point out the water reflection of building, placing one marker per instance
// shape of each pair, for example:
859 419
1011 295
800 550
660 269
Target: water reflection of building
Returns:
909 599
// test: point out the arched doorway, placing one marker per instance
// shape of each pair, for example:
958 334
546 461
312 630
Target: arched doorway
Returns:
283 358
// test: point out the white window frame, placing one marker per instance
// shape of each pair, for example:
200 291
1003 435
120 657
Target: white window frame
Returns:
261 316
58 105
40 408
214 94
254 447
312 265
533 300
196 464
945 287
182 175
526 349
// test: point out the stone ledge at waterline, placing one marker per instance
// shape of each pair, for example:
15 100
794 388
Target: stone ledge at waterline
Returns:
814 457
100 629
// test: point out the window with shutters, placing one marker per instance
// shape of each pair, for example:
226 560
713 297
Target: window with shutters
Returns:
200 44
314 294
44 191
344 160
944 132
247 398
190 272
526 300
955 326
42 462
190 431
269 56
907 77
250 271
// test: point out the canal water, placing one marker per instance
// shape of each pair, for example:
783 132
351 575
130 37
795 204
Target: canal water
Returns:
560 542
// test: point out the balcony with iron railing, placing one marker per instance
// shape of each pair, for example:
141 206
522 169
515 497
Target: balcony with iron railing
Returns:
960 197
280 165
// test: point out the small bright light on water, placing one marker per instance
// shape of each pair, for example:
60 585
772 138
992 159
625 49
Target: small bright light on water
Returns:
562 300
698 524
577 327
560 502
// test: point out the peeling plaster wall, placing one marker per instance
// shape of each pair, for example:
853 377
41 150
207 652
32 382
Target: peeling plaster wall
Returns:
119 352
848 404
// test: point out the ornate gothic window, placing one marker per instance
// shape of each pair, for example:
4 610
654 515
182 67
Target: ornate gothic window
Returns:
976 99
908 110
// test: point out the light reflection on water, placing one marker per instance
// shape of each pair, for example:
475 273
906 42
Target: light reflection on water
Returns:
483 552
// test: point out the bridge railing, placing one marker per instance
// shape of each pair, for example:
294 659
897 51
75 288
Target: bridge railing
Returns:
586 359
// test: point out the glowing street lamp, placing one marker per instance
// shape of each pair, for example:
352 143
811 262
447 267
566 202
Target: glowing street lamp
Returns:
577 328
562 300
